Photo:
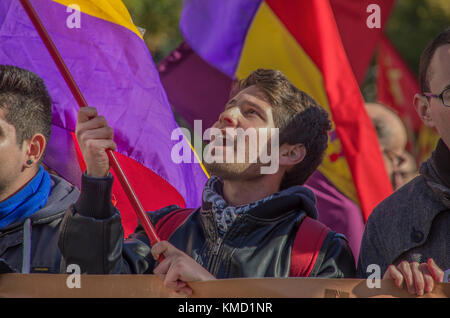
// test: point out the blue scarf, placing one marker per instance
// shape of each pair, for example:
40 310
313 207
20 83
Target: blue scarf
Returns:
27 201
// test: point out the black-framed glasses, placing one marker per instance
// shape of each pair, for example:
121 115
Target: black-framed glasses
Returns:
444 96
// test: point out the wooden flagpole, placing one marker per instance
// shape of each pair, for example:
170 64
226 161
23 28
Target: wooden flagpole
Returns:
140 212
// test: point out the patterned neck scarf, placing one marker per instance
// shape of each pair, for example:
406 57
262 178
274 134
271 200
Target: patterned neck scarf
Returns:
296 197
224 213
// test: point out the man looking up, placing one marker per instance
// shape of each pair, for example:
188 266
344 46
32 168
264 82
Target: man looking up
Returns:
249 225
31 201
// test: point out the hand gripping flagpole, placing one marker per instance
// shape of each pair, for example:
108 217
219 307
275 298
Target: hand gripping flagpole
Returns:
143 219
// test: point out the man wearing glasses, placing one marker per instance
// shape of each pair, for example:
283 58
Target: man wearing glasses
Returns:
410 229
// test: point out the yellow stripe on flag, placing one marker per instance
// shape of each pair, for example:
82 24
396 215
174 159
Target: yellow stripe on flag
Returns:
270 45
110 10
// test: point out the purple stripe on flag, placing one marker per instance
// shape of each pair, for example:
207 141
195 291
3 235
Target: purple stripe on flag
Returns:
61 155
116 74
216 29
196 90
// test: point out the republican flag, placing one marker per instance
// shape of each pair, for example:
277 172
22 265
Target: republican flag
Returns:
111 64
360 41
301 39
396 87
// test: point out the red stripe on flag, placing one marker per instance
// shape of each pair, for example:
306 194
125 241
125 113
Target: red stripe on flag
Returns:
153 191
397 85
312 24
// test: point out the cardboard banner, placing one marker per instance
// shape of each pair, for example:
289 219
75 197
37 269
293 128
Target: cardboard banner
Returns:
150 286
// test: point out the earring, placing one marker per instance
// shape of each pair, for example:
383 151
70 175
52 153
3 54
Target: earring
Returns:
29 162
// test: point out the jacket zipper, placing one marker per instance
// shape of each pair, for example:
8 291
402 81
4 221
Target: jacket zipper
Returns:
214 257
217 249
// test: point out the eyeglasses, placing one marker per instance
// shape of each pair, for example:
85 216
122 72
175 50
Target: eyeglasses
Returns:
444 96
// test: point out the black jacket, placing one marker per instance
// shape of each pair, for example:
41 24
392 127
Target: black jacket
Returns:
36 239
258 244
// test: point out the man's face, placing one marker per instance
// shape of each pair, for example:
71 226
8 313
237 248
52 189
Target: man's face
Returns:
248 110
11 155
439 79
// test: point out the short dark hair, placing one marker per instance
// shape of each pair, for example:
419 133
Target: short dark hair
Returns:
26 102
299 119
443 38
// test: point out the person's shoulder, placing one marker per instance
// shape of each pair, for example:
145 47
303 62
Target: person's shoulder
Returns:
62 195
61 187
158 215
398 212
410 196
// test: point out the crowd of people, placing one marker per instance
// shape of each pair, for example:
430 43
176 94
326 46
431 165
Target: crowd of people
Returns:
249 224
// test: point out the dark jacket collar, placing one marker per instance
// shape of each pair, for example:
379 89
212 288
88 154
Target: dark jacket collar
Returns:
62 196
294 198
441 159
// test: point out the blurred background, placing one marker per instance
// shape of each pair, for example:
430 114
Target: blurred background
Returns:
410 25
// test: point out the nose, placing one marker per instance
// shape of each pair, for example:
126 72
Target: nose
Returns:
228 119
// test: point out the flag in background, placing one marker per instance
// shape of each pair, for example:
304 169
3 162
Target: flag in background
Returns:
360 41
396 87
301 39
115 72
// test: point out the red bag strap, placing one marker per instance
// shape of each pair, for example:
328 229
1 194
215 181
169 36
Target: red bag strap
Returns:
307 244
171 222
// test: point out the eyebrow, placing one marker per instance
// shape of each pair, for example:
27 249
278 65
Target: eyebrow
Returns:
259 108
231 102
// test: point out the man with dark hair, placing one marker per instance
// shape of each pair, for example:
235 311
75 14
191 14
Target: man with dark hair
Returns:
250 224
410 229
31 201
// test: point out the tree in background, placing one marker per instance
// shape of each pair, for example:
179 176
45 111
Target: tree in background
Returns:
413 23
160 20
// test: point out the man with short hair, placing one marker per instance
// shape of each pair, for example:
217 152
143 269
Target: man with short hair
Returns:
32 202
392 135
410 229
250 223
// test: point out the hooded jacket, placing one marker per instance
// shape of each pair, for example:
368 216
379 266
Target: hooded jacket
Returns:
32 245
257 244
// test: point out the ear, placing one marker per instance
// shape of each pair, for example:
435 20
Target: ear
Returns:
35 148
290 155
423 108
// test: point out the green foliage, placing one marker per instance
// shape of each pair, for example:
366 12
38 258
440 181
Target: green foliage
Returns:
160 20
413 23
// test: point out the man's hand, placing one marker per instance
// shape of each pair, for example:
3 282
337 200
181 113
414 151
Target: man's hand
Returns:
95 137
419 278
178 268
